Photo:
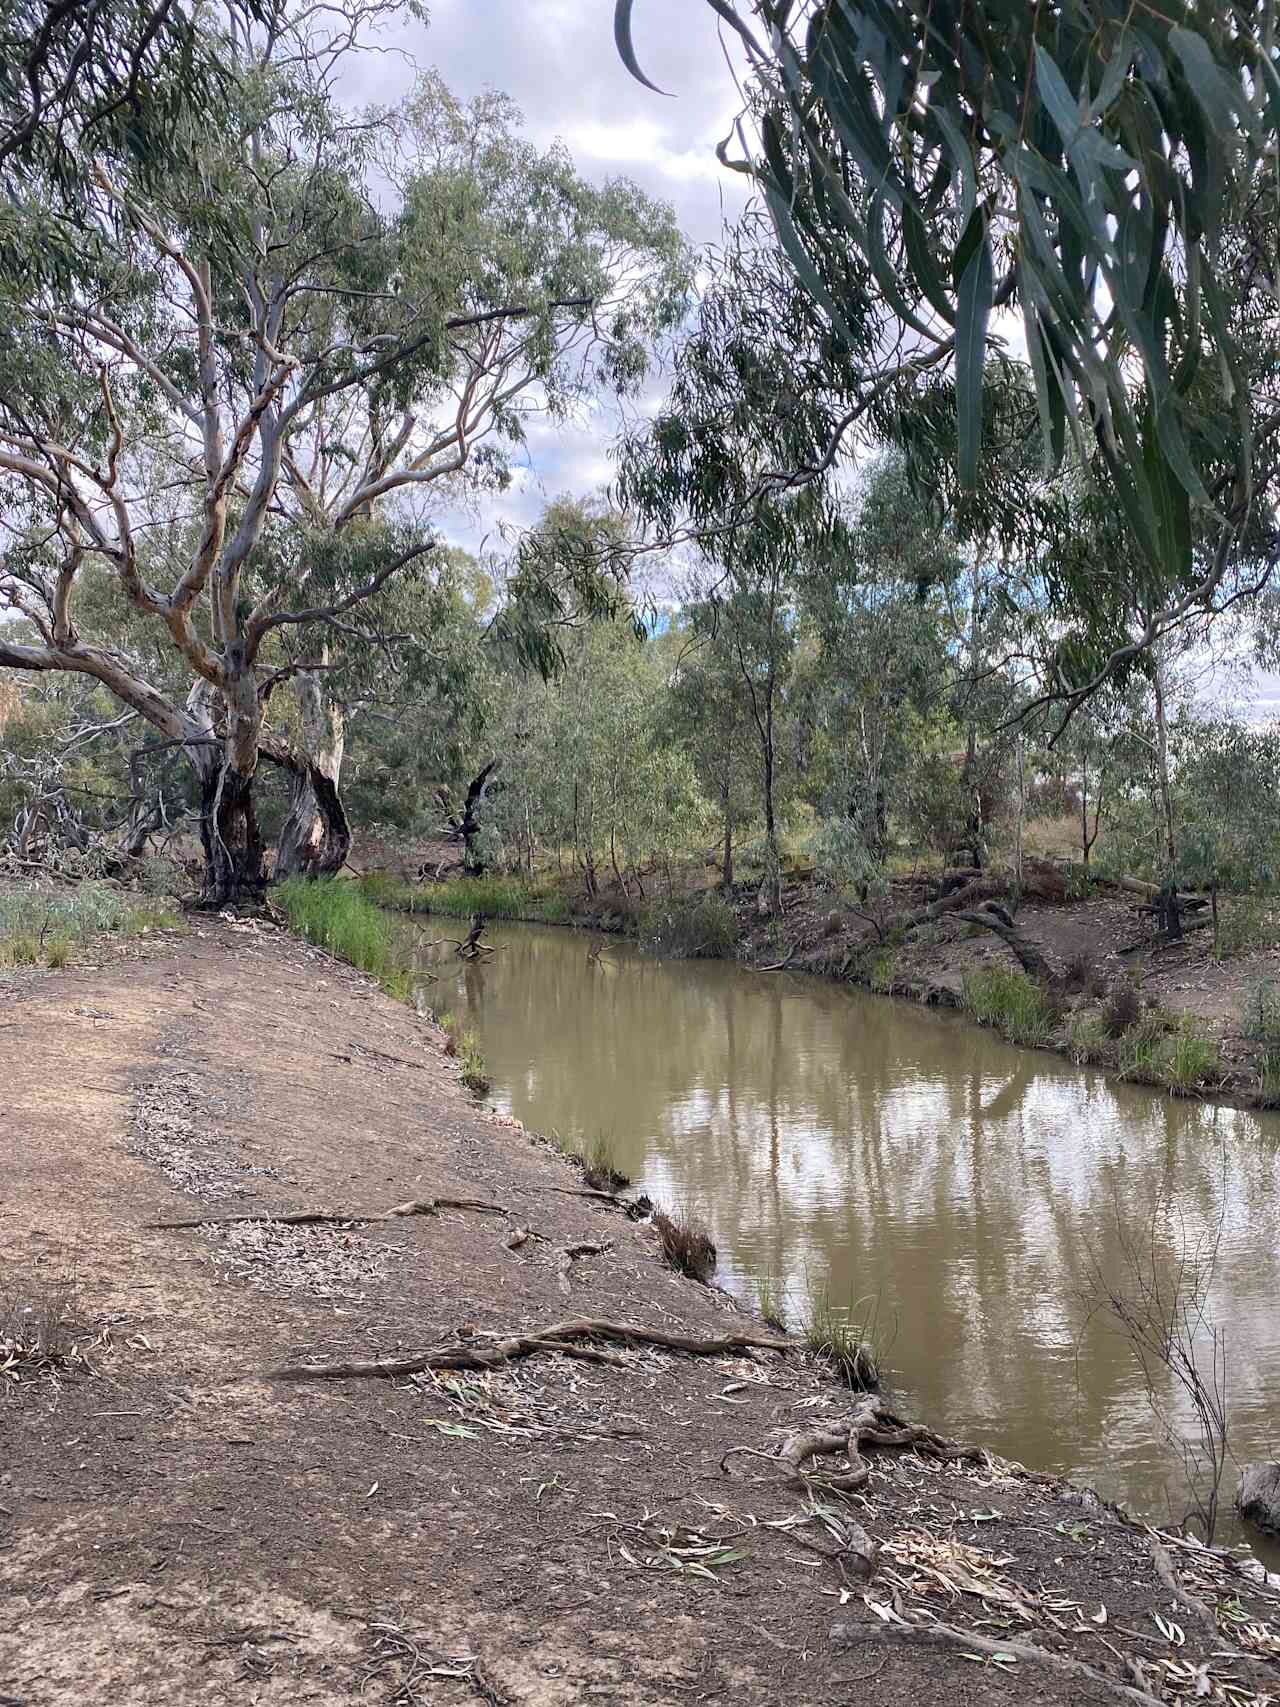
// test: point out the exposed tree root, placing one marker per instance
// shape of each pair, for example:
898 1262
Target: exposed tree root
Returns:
569 1254
872 1424
636 1207
1203 1615
953 1638
334 1217
487 1352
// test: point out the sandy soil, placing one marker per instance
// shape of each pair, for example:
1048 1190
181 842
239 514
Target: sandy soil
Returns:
178 1527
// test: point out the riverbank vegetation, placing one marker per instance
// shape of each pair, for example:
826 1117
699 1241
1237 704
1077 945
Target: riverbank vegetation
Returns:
45 927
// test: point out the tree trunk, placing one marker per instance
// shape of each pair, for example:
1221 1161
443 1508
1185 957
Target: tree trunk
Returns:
1162 770
726 863
316 836
229 833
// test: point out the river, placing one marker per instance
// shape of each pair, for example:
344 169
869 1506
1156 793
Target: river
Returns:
963 1193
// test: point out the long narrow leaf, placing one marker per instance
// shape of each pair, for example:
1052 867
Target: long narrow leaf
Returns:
973 311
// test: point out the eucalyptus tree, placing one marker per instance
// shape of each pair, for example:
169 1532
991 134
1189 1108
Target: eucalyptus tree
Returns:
273 345
560 289
1102 173
709 717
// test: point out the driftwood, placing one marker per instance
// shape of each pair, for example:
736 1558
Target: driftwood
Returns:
333 1217
490 1351
872 1424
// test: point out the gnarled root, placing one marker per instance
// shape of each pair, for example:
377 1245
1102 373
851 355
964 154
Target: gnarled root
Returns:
334 1217
488 1352
872 1424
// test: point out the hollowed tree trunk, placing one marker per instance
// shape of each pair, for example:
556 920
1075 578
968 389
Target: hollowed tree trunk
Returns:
229 835
316 837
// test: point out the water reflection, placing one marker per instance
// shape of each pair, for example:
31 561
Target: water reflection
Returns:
885 1152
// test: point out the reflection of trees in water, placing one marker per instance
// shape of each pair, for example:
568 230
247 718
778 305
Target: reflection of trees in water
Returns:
843 1140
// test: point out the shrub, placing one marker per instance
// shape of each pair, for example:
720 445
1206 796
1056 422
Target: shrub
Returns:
1083 974
1269 1077
843 1342
1260 1013
1123 1009
36 925
1014 1004
686 1244
882 970
696 927
1245 925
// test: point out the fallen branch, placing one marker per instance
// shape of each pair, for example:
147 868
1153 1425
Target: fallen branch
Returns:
951 1637
781 965
569 1254
333 1217
488 1351
872 1424
1029 955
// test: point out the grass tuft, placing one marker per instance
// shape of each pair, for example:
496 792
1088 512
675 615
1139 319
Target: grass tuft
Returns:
686 1244
769 1303
39 1332
337 916
697 927
1123 1009
600 1168
464 1047
842 1341
1024 1011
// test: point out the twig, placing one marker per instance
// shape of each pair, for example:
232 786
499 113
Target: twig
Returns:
488 1352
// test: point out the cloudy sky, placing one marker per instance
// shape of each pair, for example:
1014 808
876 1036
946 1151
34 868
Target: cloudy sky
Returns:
557 60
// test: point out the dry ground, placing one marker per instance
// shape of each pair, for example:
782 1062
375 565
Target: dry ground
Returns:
175 1527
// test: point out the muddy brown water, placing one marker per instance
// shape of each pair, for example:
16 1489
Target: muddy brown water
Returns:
916 1170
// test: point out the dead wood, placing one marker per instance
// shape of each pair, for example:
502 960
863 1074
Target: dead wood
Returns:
781 965
970 895
951 1637
872 1424
333 1217
569 1254
1029 955
516 1237
489 1351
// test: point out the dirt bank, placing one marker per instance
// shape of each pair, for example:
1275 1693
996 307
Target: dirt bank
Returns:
179 1527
